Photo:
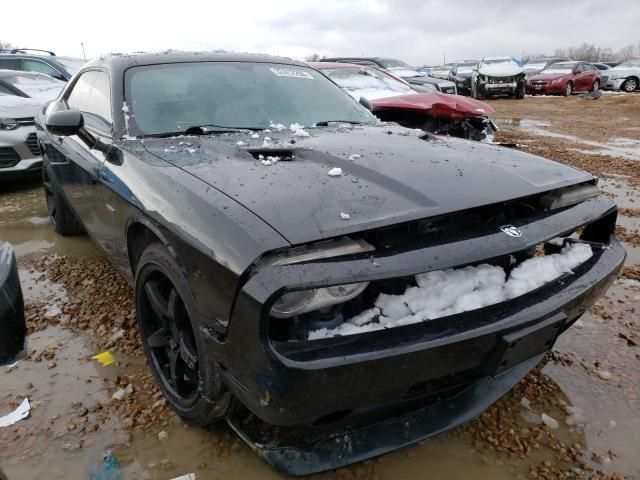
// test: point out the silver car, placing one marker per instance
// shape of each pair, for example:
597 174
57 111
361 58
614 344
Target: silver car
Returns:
21 95
625 77
19 150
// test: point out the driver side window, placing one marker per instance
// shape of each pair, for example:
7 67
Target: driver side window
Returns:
41 67
91 95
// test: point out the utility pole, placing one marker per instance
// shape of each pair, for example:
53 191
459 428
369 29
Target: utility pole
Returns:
444 57
83 54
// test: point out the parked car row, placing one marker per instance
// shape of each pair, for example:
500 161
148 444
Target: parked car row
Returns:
505 75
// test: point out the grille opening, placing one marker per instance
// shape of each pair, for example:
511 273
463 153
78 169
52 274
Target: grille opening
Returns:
8 157
32 143
297 329
266 154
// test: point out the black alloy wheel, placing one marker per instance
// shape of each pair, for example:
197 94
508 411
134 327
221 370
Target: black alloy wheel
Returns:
167 332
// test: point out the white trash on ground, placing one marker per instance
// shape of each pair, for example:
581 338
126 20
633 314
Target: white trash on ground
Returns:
18 414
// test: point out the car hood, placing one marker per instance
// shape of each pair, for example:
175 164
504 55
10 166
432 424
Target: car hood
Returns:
549 76
430 80
438 105
13 106
389 175
500 70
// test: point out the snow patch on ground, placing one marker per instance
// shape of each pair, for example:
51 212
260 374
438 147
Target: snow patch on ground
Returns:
344 216
335 172
447 292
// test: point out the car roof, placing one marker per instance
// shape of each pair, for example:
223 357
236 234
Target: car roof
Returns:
159 58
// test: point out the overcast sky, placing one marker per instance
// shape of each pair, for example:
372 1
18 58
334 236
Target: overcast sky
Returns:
417 31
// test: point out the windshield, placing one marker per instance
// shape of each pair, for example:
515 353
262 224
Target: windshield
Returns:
38 86
497 61
630 64
367 82
559 68
71 64
466 67
395 64
173 97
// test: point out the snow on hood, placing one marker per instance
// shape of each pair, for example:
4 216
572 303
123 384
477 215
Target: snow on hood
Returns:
390 175
12 106
500 69
447 292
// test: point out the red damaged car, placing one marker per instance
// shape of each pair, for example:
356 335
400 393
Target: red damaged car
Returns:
565 78
392 99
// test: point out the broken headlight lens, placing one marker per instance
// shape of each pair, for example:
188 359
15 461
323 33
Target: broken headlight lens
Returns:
568 196
296 303
8 123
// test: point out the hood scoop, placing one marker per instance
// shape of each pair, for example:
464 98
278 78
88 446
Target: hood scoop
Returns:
272 154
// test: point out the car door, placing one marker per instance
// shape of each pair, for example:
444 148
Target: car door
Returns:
582 78
79 168
593 74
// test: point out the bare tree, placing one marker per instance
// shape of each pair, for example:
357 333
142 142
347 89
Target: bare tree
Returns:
314 57
5 45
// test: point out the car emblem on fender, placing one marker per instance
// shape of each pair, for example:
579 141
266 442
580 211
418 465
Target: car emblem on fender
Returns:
511 231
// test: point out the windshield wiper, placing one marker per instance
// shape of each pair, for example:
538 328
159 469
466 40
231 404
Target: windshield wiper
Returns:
325 123
201 130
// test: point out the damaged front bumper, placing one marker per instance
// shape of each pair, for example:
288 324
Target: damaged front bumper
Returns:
436 374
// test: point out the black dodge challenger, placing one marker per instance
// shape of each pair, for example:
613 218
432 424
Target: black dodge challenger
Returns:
299 263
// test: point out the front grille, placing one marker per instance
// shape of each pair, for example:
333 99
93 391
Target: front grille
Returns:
449 90
538 82
25 121
32 142
8 157
500 79
603 80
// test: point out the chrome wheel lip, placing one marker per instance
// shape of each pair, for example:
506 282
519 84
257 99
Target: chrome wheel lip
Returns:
170 342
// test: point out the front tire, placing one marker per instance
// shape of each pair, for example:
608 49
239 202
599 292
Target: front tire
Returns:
629 85
568 89
174 345
63 219
520 91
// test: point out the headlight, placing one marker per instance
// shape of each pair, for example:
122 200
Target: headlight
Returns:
557 80
8 123
298 302
568 196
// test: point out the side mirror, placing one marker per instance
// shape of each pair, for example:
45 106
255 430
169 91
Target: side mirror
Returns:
366 103
65 123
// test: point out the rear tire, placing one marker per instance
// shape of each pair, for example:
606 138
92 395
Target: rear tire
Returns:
568 89
63 219
595 87
176 350
629 85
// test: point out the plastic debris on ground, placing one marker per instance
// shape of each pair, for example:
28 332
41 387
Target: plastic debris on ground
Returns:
18 414
105 358
105 469
335 172
188 476
451 291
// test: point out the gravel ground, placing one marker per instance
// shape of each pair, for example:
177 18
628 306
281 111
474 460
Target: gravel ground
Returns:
576 416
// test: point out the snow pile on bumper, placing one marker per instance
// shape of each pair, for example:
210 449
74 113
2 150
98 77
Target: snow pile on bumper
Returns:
448 292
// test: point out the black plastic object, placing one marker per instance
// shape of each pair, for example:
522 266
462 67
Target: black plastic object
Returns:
12 324
347 446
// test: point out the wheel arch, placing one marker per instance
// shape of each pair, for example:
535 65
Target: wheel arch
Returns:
141 233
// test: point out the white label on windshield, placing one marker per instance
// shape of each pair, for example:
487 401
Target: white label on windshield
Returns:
289 72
